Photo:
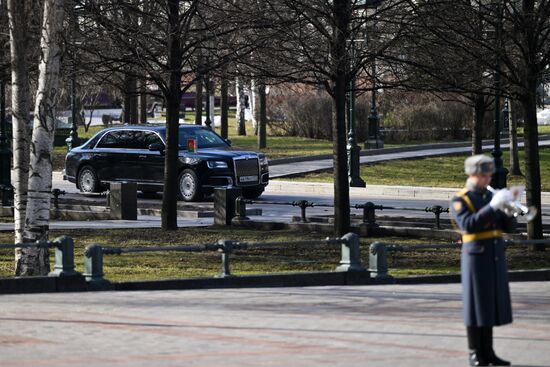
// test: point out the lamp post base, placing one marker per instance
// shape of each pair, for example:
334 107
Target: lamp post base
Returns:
374 144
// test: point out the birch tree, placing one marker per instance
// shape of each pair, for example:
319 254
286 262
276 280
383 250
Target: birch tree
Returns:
35 261
20 101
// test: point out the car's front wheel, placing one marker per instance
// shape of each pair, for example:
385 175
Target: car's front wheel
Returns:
189 188
87 180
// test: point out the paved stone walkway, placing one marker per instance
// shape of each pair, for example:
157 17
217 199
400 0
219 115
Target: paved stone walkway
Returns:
405 325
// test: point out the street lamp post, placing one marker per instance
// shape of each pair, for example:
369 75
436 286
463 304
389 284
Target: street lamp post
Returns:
355 179
499 177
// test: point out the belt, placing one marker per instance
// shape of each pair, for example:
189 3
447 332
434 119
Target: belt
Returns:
485 235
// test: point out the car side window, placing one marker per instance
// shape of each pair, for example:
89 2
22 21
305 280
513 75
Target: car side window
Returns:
112 139
149 138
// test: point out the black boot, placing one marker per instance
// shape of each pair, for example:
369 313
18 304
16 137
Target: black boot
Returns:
477 357
487 343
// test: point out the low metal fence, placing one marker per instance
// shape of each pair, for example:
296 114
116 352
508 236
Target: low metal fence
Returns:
369 209
64 254
378 252
93 255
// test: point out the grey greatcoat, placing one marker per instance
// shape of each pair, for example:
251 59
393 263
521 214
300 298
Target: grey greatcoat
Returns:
485 290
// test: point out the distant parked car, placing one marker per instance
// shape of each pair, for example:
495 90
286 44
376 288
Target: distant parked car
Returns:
136 154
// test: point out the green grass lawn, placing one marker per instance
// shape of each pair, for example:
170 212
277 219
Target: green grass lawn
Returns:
288 258
445 171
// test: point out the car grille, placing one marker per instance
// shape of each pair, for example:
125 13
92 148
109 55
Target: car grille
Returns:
246 170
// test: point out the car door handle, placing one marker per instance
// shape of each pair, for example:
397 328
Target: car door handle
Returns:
142 156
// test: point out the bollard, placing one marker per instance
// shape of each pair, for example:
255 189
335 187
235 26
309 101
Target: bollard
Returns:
351 257
64 257
93 264
123 200
378 260
56 193
437 210
6 195
303 204
224 204
240 209
369 213
226 247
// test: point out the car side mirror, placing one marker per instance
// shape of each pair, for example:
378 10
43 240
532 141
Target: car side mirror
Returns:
157 147
228 141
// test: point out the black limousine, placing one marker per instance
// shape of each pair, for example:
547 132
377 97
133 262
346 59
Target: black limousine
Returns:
136 154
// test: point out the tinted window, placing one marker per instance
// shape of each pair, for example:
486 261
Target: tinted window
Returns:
93 141
113 139
205 138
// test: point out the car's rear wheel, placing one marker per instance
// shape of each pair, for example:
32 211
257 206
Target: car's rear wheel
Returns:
87 180
189 186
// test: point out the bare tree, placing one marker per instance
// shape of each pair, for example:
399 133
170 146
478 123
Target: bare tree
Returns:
35 261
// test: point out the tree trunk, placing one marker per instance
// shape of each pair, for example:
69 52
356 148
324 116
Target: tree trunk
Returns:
477 131
130 100
143 101
20 113
341 9
532 164
36 261
173 99
198 101
262 139
241 106
224 107
253 109
515 169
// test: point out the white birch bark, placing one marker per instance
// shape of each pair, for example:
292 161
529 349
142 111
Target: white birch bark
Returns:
17 12
241 126
34 261
253 95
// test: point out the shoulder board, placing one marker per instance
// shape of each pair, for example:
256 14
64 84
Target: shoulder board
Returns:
463 194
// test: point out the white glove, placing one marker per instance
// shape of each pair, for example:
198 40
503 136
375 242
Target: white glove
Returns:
501 198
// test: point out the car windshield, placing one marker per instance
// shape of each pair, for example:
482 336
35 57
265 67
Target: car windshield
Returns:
205 138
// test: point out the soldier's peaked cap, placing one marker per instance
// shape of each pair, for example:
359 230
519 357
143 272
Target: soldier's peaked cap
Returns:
479 164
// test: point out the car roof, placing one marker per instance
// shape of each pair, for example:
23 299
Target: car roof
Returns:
154 127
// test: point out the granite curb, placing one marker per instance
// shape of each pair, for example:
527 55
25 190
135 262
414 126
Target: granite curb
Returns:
309 279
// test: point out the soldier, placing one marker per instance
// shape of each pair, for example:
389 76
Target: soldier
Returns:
485 293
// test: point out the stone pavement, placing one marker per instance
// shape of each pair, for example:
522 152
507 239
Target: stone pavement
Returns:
390 325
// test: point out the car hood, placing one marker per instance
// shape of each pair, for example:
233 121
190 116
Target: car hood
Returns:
219 153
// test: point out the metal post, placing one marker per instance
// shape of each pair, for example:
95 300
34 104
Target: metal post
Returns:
93 264
208 121
351 256
226 247
499 177
374 138
369 215
64 257
378 260
355 179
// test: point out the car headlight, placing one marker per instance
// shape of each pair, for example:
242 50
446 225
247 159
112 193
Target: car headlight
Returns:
263 160
216 164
